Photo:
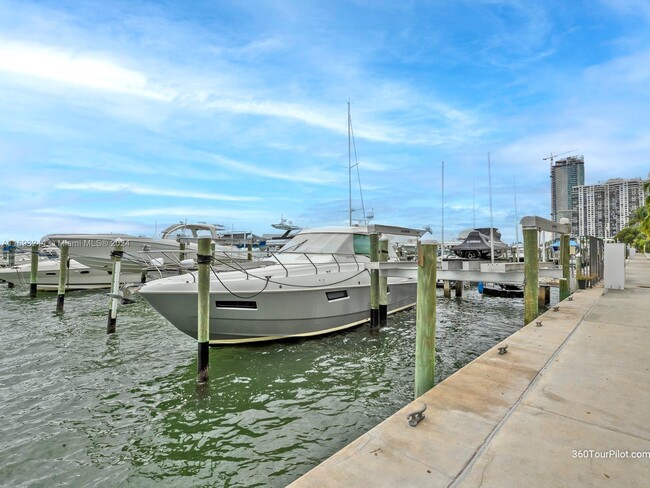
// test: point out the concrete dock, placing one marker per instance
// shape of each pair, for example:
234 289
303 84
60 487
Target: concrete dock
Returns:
567 405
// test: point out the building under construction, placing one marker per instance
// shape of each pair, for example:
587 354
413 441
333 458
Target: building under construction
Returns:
565 174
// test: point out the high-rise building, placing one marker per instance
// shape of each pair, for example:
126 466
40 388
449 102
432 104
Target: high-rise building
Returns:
565 174
603 210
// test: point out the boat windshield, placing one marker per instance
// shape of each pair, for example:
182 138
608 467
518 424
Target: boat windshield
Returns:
325 243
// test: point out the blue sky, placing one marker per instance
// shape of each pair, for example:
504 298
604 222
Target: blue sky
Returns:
129 116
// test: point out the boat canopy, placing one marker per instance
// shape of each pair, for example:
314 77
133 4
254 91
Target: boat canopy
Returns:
322 243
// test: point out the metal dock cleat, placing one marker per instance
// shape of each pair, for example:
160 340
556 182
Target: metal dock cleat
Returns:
415 417
538 323
503 349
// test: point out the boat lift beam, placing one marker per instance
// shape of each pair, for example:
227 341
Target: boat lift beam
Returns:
539 223
508 273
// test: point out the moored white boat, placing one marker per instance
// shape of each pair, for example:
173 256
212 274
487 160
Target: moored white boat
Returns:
79 277
316 284
94 250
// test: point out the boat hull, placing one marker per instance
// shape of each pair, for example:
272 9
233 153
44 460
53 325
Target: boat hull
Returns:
281 313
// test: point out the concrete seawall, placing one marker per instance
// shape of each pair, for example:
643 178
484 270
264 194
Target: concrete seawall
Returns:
567 405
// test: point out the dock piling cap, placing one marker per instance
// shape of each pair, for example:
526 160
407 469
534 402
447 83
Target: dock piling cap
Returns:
427 238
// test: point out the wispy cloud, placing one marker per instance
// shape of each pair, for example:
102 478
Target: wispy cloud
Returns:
310 174
107 187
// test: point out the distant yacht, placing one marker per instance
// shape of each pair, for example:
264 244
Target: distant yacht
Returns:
141 253
276 241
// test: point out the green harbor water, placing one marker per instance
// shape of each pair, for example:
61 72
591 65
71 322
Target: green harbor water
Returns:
80 408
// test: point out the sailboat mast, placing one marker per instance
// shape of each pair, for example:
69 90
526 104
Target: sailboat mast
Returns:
516 226
442 244
491 225
474 203
349 165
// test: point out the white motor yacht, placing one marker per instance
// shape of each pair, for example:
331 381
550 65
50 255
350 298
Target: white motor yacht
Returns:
80 277
315 284
142 253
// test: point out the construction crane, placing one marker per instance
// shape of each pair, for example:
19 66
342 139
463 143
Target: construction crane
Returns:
552 156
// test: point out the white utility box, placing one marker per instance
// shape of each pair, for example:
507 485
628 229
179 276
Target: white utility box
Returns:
614 266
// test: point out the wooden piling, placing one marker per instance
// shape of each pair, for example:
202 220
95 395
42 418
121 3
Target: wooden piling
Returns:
459 288
565 287
383 282
374 280
446 287
116 255
544 296
11 259
425 322
181 248
63 274
531 275
578 269
249 255
204 260
11 256
33 275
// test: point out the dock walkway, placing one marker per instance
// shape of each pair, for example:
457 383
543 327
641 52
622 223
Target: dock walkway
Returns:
567 405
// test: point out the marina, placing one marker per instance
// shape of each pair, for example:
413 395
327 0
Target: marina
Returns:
198 289
85 408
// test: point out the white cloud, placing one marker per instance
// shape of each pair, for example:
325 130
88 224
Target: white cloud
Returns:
144 190
75 68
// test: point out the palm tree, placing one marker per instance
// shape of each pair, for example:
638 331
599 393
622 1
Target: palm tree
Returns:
644 223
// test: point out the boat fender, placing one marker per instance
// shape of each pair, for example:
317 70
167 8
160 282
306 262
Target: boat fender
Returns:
480 287
157 262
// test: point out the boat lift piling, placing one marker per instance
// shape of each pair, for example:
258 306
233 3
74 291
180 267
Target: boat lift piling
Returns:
383 282
458 285
374 280
425 322
63 274
116 255
565 290
33 276
531 227
204 261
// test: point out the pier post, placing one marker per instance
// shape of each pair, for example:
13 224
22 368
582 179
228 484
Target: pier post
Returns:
181 248
565 290
531 274
249 246
383 282
63 274
11 260
204 260
425 321
11 256
459 288
116 254
374 280
544 296
446 288
33 276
